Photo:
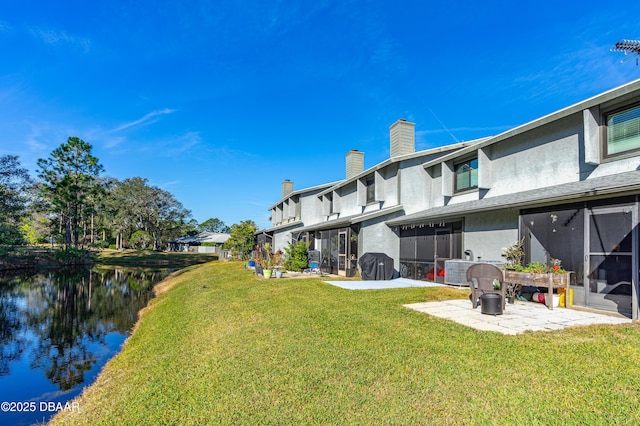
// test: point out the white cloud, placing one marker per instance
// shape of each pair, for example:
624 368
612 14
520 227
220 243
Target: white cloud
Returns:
224 153
164 185
39 136
172 147
573 74
112 142
60 38
187 141
258 203
149 118
36 146
494 129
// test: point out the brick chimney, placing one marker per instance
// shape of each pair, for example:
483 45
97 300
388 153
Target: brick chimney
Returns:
287 187
355 162
402 135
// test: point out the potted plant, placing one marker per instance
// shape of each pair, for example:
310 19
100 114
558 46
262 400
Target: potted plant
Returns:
267 261
535 274
278 261
268 273
514 255
511 292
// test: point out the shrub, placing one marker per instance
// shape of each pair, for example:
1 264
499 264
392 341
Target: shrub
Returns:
10 235
102 244
296 256
73 256
140 240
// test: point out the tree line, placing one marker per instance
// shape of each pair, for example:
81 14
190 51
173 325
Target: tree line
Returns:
71 203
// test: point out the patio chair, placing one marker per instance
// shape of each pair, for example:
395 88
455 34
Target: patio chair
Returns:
480 277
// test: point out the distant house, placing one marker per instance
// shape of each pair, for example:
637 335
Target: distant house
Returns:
205 242
568 184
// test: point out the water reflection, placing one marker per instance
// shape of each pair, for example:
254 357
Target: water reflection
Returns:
62 326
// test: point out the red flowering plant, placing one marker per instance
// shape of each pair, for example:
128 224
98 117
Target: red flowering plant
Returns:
277 259
556 267
270 259
543 268
264 256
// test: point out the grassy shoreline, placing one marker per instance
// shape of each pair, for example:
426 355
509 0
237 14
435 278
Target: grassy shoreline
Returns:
45 257
219 346
146 257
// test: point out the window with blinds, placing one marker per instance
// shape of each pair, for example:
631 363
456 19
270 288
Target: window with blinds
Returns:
623 131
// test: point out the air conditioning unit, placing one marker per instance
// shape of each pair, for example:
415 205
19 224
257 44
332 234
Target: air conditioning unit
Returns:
455 270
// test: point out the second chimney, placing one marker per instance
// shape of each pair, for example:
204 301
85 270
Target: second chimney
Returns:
355 163
402 135
287 187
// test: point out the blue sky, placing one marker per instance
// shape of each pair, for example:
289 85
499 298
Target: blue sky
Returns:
219 101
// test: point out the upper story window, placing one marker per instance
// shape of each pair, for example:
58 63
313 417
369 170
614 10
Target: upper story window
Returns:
370 183
622 131
466 175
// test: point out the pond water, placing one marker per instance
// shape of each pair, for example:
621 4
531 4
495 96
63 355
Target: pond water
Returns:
57 330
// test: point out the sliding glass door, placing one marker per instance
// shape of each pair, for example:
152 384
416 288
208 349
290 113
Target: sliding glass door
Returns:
611 247
424 249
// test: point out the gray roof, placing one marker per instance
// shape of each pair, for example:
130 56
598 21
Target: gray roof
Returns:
303 191
279 227
203 237
349 220
376 213
444 150
340 222
618 184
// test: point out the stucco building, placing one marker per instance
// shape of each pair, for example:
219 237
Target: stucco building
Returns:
568 183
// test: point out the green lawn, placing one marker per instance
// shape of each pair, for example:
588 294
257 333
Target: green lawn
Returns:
220 346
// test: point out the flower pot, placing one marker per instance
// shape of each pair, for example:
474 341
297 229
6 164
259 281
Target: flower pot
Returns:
267 273
278 273
511 300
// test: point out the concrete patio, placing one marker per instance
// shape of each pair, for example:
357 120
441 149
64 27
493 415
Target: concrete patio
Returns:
381 284
517 318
